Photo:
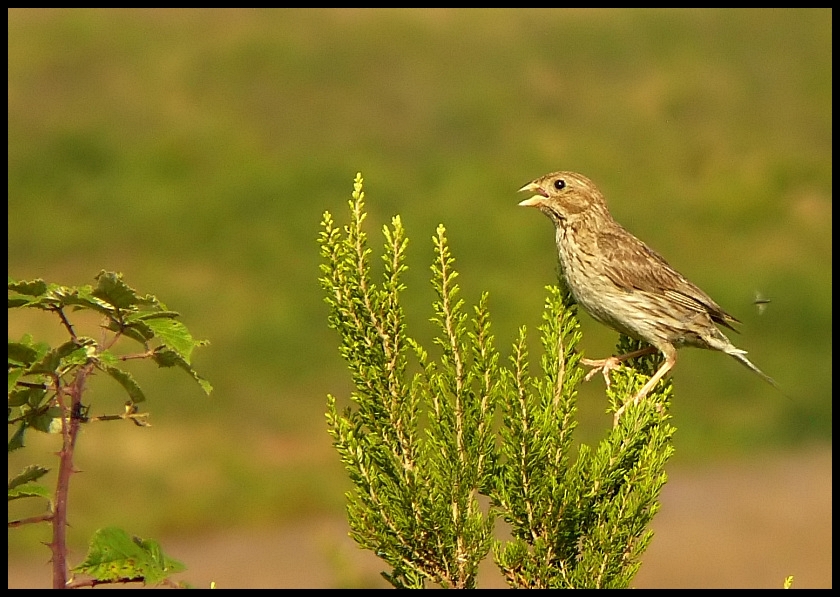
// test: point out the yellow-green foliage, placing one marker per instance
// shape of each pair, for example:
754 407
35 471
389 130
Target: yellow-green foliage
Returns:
419 449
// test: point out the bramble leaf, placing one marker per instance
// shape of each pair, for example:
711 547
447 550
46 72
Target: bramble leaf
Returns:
27 475
126 380
166 357
111 288
29 490
33 288
174 335
113 555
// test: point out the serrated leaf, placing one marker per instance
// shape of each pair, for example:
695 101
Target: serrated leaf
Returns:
18 301
205 385
153 315
49 362
111 288
174 335
31 288
125 380
22 353
109 358
114 555
16 441
48 422
31 473
71 352
165 357
136 330
84 298
29 490
30 396
14 375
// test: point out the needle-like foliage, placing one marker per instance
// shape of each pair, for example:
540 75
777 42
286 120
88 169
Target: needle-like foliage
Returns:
419 448
416 484
576 522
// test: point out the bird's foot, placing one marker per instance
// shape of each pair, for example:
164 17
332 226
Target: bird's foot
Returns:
610 363
605 366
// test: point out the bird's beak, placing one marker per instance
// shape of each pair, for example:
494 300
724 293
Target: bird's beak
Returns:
536 199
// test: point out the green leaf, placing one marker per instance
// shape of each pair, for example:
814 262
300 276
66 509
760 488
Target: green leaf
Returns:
136 330
108 358
24 353
14 375
174 335
31 396
205 385
125 380
16 441
30 473
112 289
114 556
29 490
84 297
33 288
15 302
71 352
165 357
48 421
153 315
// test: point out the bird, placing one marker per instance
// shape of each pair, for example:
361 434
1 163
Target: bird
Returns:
623 283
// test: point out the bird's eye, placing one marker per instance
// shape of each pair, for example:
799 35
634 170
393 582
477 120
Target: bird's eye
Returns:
559 184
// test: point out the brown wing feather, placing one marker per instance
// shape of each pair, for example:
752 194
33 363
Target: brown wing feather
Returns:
632 265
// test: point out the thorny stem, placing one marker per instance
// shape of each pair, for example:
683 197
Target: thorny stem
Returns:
92 582
65 322
70 423
140 355
32 519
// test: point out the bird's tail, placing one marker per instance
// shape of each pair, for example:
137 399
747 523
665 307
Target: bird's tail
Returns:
741 356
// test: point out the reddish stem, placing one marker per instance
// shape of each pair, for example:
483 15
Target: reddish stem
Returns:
71 422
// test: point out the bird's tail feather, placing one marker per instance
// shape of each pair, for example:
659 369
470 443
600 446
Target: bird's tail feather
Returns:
741 356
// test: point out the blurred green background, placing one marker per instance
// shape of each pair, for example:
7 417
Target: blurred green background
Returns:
195 151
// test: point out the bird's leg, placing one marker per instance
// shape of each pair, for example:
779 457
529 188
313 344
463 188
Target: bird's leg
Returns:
610 363
670 361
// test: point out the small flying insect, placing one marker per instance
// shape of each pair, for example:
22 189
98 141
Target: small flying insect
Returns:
760 302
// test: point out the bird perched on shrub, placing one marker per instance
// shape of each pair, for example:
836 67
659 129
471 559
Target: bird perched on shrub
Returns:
625 284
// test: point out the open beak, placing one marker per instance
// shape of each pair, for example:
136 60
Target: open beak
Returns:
535 200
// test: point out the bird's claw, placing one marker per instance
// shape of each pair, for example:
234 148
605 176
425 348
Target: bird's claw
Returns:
591 373
605 366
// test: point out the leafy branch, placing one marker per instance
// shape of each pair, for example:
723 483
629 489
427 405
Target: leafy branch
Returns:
46 386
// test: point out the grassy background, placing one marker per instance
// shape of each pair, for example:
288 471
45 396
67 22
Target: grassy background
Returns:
196 151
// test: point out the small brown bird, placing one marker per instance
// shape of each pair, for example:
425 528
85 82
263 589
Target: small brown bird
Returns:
625 284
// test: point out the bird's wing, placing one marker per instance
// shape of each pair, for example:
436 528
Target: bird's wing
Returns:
631 265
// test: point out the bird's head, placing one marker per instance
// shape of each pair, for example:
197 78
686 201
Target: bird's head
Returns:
564 196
